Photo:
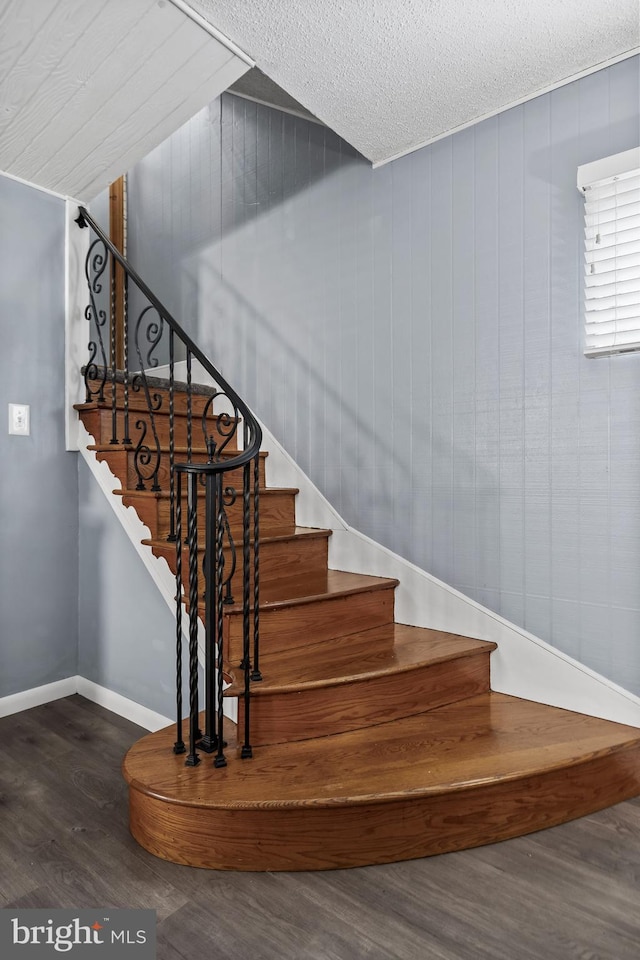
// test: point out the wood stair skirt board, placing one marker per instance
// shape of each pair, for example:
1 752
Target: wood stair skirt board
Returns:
373 741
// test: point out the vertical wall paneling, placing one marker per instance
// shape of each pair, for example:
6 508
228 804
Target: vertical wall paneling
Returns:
413 335
566 265
418 483
400 370
381 425
487 364
594 407
510 204
39 488
537 370
463 371
442 357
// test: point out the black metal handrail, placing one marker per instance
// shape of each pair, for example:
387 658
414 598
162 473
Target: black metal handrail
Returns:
132 393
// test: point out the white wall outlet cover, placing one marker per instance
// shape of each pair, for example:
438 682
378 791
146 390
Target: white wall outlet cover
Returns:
19 419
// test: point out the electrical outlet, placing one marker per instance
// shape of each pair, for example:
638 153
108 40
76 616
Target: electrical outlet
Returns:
19 419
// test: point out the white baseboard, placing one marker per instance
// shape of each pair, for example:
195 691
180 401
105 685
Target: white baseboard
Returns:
17 702
122 706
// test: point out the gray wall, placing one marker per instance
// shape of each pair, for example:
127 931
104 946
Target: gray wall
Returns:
38 481
413 336
127 632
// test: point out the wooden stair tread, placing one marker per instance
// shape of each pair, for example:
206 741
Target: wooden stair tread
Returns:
138 405
272 535
489 739
306 588
392 648
179 449
166 494
154 382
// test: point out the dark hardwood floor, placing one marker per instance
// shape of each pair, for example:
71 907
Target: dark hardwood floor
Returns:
569 892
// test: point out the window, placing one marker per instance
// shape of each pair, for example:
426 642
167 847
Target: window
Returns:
612 253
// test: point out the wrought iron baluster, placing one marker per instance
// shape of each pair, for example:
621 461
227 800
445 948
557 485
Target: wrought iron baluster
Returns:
192 539
255 673
209 742
125 355
189 417
95 266
179 746
144 456
246 605
220 760
172 440
112 354
231 564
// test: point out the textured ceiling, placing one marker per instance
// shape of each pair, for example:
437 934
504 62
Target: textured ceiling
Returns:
256 86
390 75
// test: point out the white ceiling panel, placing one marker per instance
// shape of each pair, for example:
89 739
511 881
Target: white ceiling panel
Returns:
88 87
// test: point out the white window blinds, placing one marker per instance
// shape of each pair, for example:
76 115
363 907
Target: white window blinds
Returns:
612 257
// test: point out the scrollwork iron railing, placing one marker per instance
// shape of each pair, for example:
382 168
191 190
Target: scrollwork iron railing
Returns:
137 401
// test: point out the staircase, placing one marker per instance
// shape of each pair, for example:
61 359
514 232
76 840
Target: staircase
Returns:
370 741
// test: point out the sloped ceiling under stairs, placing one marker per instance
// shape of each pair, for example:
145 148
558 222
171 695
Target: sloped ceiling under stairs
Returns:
88 87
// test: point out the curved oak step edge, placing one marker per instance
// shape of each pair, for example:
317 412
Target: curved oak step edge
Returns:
325 838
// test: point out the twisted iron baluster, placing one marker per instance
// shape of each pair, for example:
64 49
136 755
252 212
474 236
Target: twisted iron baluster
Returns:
172 443
220 760
179 746
246 606
189 405
209 742
125 356
255 673
112 357
228 597
192 536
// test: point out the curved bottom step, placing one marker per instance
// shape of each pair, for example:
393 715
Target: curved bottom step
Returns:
473 772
